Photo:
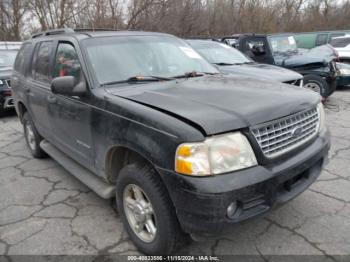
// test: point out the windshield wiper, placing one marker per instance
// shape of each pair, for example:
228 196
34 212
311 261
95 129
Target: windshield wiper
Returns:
231 64
138 79
193 74
225 64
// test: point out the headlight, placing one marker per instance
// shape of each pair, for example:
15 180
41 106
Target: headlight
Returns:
1 82
322 117
216 155
344 71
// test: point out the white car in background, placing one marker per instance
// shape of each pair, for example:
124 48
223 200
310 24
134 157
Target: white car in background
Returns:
342 46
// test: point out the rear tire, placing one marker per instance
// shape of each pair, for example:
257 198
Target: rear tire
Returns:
135 182
317 84
32 137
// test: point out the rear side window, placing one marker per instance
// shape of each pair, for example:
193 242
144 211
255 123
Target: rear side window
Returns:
22 58
321 39
41 62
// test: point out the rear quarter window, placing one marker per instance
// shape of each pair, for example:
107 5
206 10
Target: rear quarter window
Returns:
321 39
23 58
41 62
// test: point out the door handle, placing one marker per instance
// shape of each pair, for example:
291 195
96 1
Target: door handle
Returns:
51 99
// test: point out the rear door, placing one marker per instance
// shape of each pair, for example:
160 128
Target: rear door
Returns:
38 86
20 70
70 116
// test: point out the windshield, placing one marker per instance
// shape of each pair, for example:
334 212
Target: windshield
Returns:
7 58
218 53
116 59
283 44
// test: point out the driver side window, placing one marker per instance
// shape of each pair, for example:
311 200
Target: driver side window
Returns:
67 62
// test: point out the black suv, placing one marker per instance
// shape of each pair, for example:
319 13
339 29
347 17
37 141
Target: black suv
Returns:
318 66
184 150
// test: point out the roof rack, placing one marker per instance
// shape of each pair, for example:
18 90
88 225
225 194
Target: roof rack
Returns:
94 29
53 32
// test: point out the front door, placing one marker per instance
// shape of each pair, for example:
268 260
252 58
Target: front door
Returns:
70 116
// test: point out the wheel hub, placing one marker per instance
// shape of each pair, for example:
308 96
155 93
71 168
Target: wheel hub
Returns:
314 87
30 136
139 213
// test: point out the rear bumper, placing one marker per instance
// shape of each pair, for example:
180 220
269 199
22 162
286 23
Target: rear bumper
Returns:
201 203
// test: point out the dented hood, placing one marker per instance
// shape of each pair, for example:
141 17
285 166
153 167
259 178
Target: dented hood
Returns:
220 104
261 71
319 55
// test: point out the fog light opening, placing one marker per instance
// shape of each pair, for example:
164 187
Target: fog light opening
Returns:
231 209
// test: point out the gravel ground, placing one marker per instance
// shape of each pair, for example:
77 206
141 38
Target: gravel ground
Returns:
46 211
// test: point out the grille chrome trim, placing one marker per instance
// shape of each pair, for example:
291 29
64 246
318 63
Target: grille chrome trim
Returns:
280 136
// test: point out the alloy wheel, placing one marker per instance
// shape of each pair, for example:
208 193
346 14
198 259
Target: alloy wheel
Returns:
139 213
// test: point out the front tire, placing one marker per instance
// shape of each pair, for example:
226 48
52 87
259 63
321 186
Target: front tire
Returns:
147 211
317 84
32 137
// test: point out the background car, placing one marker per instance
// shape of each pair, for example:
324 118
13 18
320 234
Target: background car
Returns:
310 40
342 46
8 52
231 61
318 66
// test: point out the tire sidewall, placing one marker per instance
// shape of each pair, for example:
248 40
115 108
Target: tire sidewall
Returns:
131 175
37 152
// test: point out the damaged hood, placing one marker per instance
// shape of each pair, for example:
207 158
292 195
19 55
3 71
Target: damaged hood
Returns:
220 104
261 72
318 55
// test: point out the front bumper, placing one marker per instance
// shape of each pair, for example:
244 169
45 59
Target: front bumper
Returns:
7 103
201 203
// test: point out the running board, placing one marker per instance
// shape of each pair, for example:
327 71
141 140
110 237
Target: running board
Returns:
91 180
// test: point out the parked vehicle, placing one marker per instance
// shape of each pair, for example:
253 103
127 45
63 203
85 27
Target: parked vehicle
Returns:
231 61
310 40
318 65
8 51
342 46
144 118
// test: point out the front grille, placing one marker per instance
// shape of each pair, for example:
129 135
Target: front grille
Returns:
283 135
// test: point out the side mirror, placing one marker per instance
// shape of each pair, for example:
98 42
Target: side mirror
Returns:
65 85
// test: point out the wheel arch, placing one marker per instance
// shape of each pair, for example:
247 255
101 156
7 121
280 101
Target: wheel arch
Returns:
118 156
21 109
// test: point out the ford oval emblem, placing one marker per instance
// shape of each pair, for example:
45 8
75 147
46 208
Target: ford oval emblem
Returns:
297 131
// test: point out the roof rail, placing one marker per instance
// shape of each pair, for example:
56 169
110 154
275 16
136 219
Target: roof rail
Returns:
53 32
94 29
